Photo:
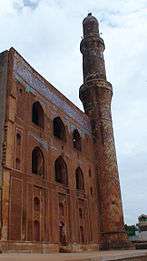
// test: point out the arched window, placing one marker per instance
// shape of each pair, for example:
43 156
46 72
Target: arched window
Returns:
36 204
36 230
61 174
59 129
79 179
76 140
37 162
38 114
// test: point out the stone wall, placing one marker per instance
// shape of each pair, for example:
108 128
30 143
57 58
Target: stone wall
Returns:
21 186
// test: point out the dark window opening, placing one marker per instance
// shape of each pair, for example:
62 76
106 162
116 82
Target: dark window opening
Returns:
38 114
61 209
79 179
91 191
18 139
37 162
18 164
61 174
89 172
59 129
36 204
76 140
80 213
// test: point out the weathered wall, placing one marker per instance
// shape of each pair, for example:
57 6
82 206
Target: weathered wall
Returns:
3 83
25 87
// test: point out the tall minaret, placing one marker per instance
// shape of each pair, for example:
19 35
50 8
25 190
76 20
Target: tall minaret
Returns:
96 95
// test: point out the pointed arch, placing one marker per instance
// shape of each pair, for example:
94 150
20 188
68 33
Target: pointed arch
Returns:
59 129
79 179
38 114
37 162
61 174
76 140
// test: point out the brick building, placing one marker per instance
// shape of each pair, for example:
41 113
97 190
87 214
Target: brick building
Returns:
58 170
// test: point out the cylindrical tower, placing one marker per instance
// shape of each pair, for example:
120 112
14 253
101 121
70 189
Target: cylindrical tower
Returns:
96 94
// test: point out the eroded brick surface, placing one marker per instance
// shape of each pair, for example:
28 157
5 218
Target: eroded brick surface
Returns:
40 214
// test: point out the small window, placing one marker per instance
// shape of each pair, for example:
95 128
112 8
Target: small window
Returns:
89 172
80 213
18 164
38 114
36 204
18 139
61 209
91 191
37 162
76 140
79 179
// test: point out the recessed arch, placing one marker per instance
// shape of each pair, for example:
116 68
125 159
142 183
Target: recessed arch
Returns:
18 139
37 162
38 114
80 213
79 179
17 163
59 129
62 233
76 140
61 174
36 230
61 209
36 204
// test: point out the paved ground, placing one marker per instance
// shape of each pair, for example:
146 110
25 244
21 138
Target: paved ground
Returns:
86 256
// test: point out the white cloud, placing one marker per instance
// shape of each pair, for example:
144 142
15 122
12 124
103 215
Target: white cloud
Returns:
48 36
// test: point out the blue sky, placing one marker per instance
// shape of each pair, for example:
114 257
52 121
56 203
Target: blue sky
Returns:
48 34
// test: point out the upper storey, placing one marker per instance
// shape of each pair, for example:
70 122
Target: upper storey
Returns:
36 84
92 47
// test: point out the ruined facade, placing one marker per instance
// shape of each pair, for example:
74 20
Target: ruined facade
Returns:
58 170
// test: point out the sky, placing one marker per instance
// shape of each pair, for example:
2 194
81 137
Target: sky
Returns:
47 33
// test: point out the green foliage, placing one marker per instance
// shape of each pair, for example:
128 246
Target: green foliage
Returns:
130 230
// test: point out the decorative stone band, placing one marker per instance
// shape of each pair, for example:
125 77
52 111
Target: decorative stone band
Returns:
100 83
91 39
23 72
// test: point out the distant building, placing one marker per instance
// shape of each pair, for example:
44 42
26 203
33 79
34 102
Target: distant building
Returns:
142 226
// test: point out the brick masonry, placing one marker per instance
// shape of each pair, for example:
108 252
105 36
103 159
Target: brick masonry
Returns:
26 226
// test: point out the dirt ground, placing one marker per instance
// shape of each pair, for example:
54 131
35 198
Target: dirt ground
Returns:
87 256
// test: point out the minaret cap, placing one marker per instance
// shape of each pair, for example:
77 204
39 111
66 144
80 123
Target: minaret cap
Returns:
90 25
